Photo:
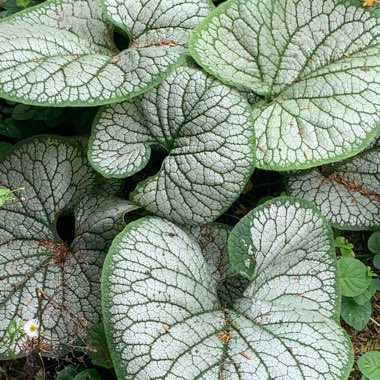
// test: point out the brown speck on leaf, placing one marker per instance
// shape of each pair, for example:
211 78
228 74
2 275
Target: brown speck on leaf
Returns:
10 243
245 355
172 234
166 329
364 68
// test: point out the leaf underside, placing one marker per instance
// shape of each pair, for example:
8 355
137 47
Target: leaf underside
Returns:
164 320
318 65
205 127
347 193
41 275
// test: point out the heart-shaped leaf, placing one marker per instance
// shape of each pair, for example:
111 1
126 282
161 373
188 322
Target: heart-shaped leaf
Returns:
369 365
347 193
355 315
62 51
163 318
318 65
41 276
157 22
352 276
205 127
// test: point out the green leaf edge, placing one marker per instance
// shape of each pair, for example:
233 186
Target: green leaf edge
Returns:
106 272
182 60
194 36
124 27
314 163
310 164
105 301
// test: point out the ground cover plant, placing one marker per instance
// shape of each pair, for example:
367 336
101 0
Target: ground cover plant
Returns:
189 190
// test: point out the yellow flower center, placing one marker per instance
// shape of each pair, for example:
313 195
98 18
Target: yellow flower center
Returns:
33 328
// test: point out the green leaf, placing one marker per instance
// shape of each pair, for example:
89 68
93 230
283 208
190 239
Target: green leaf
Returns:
347 193
150 22
369 365
41 275
69 372
98 348
88 374
365 296
352 276
316 63
163 318
376 261
345 247
355 315
62 53
4 149
374 242
205 127
5 192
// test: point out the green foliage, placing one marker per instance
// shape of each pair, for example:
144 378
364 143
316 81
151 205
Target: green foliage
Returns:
369 365
345 247
353 276
97 347
281 85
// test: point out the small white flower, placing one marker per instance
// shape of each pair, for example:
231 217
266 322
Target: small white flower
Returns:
32 328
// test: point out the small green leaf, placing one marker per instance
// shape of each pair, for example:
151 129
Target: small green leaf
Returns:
374 242
97 348
345 247
69 372
355 315
362 298
88 374
376 261
4 192
369 365
353 277
4 149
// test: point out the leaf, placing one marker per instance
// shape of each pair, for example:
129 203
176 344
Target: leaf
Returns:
4 149
150 22
205 127
69 372
212 239
163 318
355 315
88 374
374 242
62 53
369 365
352 276
41 275
347 193
376 261
98 348
362 298
318 66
